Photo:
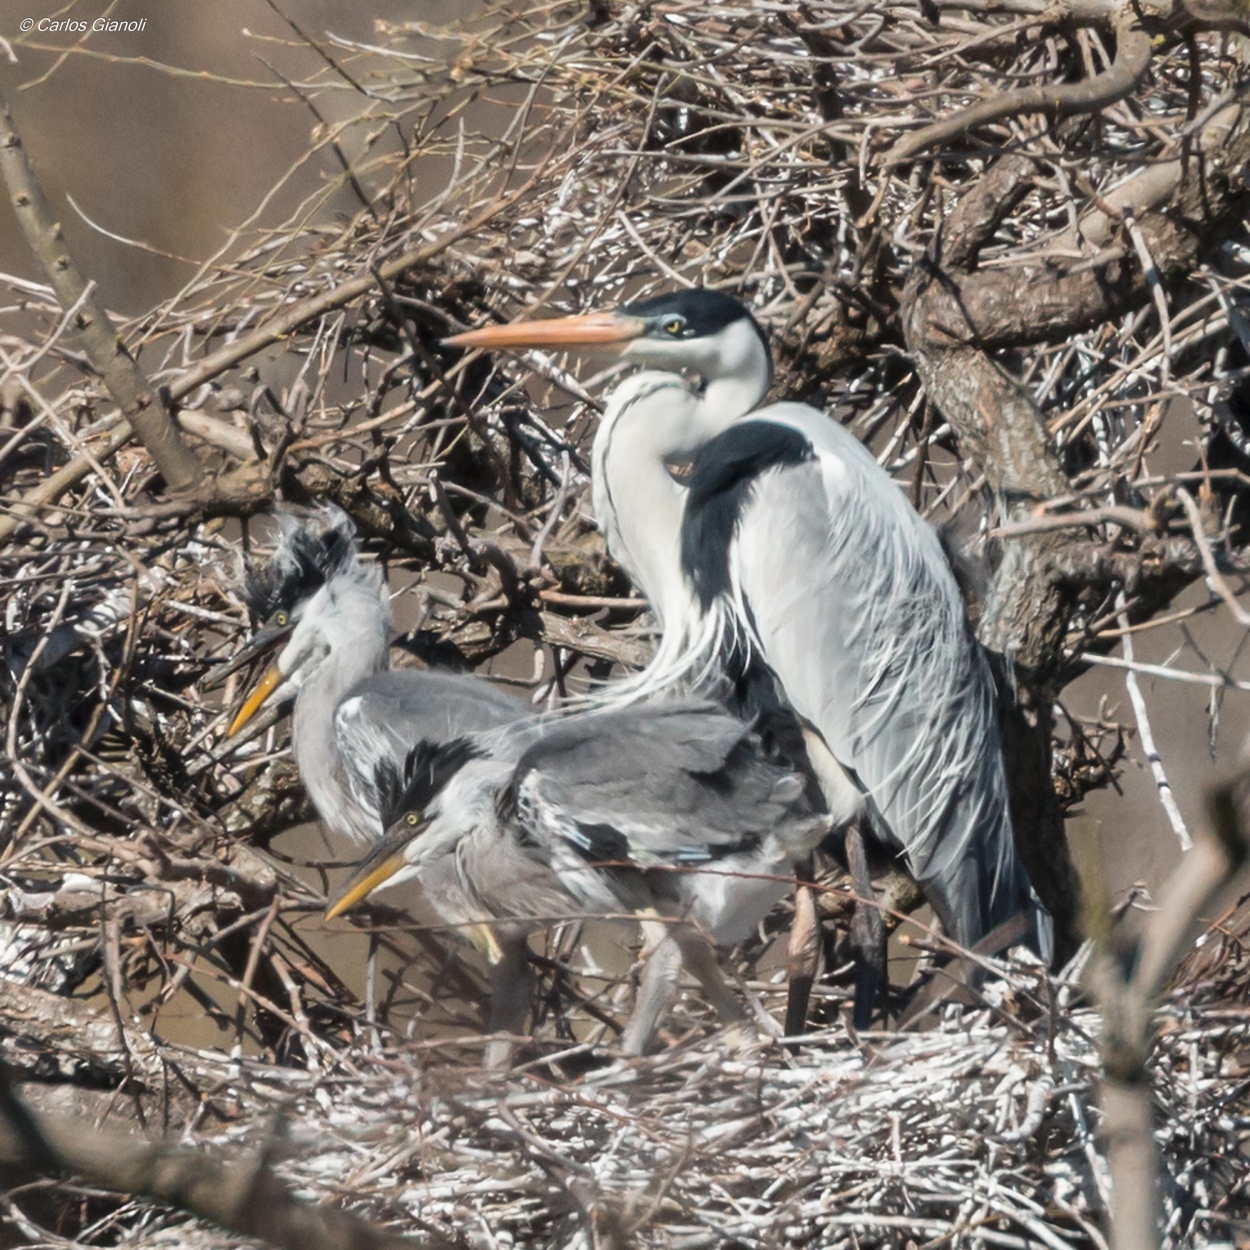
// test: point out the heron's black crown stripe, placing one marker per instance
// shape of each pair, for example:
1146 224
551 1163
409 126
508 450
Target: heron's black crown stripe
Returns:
427 770
305 559
719 487
705 312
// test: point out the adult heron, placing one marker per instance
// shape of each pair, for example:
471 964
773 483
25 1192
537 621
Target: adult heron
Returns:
666 811
789 547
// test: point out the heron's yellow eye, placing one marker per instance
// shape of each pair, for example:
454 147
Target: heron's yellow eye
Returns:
280 618
675 326
412 819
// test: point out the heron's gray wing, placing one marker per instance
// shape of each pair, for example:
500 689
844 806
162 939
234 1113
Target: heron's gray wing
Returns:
384 716
679 782
868 638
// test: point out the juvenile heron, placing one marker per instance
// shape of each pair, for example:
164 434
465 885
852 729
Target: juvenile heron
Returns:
665 811
790 558
357 725
356 720
329 613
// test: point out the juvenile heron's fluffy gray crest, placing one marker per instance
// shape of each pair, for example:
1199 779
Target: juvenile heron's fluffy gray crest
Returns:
311 546
325 622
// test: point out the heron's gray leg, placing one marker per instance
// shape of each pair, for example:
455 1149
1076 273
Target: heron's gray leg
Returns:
842 800
803 950
656 986
512 991
700 959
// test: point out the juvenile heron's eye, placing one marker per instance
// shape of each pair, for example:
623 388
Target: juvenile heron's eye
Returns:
412 818
280 618
674 326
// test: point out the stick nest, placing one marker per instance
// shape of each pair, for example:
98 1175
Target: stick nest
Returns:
571 156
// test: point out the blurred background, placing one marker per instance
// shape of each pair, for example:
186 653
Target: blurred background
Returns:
173 136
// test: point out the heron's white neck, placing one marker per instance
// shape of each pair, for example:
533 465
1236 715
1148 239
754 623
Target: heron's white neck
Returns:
656 417
725 400
637 503
736 370
357 651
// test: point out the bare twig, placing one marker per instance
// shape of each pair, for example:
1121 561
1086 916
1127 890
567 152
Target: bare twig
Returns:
1128 990
1055 100
1215 578
1142 715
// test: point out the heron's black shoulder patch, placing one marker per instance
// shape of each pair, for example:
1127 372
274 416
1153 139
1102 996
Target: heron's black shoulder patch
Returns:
718 489
600 843
427 770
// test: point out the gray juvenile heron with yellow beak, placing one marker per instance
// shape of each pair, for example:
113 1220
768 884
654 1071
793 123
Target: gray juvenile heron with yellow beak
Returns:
664 811
358 726
325 621
789 566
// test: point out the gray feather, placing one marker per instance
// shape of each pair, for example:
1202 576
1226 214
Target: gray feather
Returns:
383 716
676 782
903 697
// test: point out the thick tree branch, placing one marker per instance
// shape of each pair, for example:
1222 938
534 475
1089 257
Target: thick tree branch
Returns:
1132 59
953 316
1149 188
1025 617
244 1197
1038 303
143 410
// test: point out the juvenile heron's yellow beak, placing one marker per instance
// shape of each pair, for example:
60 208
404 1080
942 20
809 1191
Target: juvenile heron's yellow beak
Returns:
368 877
265 639
264 688
589 329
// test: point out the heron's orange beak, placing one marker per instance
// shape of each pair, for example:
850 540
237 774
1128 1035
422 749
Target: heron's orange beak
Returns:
264 688
587 330
368 877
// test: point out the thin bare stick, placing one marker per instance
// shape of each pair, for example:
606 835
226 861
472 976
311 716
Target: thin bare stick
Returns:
1128 985
1142 715
1215 578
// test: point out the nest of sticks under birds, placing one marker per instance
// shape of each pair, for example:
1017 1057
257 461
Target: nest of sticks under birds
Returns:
802 156
983 1130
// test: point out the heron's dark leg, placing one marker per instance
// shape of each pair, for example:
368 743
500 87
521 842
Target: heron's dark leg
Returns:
512 990
803 950
656 986
867 933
